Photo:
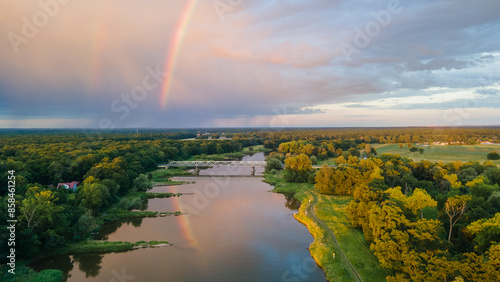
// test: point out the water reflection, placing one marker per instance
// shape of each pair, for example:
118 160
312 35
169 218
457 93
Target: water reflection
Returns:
63 263
291 202
111 227
242 232
90 264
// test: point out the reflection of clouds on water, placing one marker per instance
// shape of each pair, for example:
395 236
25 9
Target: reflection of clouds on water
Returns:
242 232
186 247
237 170
289 217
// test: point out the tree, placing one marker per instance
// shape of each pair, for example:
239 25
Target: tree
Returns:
273 163
299 163
368 149
486 231
93 194
455 207
324 181
40 208
493 156
453 179
354 152
419 200
298 169
141 183
314 160
86 224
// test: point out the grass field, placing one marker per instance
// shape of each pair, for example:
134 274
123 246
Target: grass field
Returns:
162 176
331 210
445 153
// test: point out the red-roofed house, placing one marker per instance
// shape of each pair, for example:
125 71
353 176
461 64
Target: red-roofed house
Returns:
72 185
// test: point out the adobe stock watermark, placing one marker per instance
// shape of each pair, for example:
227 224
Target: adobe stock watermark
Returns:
461 110
31 26
121 277
122 106
218 181
300 272
212 189
222 7
465 108
363 37
280 119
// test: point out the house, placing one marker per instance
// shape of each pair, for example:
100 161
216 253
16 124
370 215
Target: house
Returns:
72 185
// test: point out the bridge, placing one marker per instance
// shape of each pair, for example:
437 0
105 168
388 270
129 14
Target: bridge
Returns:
218 178
198 164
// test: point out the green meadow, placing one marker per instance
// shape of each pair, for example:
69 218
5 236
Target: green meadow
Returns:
445 153
331 210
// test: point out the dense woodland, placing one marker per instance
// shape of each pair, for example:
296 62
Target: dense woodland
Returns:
424 221
108 166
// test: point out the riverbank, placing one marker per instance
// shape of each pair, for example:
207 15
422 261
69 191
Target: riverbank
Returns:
97 246
330 210
120 210
161 176
25 273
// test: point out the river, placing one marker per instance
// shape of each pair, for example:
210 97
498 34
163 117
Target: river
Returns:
233 229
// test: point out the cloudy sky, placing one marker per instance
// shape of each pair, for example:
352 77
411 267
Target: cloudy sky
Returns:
242 63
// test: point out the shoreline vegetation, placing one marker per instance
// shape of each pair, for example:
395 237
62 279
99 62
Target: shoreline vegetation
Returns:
323 215
25 273
104 246
331 211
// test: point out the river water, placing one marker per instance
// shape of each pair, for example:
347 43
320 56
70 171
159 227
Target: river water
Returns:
232 229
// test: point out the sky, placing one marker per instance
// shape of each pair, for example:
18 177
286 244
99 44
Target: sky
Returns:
248 63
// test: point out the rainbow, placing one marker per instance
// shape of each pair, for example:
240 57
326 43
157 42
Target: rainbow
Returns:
183 220
174 48
97 47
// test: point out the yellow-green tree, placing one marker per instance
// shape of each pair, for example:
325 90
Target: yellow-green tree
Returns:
93 194
299 163
455 207
485 231
324 181
298 169
419 200
39 208
453 179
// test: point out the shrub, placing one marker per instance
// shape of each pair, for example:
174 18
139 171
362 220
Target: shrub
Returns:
273 163
314 160
493 156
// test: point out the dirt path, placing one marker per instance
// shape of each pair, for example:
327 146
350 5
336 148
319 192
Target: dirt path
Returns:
330 233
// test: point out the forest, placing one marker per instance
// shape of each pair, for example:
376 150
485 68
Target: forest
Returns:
424 221
108 167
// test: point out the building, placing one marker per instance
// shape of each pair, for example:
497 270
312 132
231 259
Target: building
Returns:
72 185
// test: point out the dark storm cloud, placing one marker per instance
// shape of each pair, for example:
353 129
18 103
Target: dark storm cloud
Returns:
265 58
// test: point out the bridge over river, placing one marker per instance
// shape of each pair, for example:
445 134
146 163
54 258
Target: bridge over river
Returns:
198 164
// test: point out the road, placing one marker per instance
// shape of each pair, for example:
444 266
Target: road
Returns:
332 236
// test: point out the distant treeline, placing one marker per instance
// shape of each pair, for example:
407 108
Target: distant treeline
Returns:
108 166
